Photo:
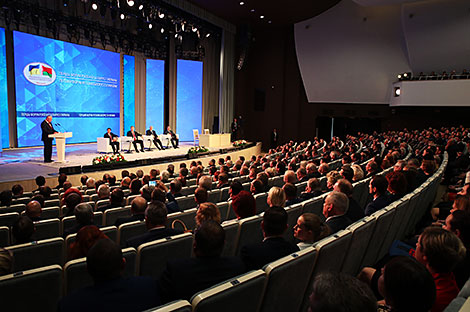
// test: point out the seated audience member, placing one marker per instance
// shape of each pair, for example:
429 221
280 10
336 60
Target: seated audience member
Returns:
125 182
372 169
378 188
256 187
458 222
83 215
313 189
146 192
135 187
40 181
461 202
154 173
244 205
289 177
86 238
111 292
22 230
358 173
265 179
347 173
83 180
312 171
274 246
223 180
407 285
355 212
276 197
103 192
165 176
72 198
138 206
6 261
334 209
45 191
66 186
323 169
334 292
396 185
155 220
183 175
440 251
200 196
331 178
160 195
291 194
90 183
235 188
116 200
33 210
6 198
205 182
17 191
302 175
175 188
205 212
171 170
61 179
183 278
310 229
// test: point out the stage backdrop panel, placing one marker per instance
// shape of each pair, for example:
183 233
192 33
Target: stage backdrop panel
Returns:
188 98
154 91
129 93
77 85
5 142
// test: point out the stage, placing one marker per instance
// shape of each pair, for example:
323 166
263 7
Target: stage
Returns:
22 165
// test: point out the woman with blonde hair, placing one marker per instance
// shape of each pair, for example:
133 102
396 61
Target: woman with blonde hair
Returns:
276 197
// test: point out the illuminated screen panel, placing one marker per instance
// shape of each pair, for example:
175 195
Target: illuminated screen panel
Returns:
3 93
188 98
155 96
77 85
129 92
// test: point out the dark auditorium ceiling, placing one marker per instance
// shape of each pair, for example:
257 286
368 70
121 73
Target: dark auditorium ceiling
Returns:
279 12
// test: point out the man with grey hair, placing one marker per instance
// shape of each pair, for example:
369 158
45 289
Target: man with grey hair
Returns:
138 206
90 183
312 171
103 192
289 177
341 292
334 209
83 215
205 182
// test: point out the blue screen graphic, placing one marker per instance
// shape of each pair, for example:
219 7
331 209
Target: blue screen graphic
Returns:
155 96
129 92
188 98
5 143
77 85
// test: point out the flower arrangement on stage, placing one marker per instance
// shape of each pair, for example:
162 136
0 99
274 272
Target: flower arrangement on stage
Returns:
108 159
198 149
240 143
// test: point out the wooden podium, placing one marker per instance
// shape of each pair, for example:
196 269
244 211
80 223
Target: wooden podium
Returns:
60 144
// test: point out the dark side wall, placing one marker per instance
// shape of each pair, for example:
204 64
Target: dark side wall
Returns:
269 93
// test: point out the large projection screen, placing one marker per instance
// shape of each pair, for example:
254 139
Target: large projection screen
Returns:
155 94
129 92
5 143
77 85
188 98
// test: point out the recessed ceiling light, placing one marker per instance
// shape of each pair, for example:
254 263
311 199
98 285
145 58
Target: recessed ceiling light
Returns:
269 22
242 3
262 16
252 10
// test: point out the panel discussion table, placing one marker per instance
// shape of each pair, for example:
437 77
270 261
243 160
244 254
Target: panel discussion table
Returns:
60 144
215 140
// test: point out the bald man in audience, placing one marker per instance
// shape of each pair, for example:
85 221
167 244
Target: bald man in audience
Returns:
33 210
334 209
138 206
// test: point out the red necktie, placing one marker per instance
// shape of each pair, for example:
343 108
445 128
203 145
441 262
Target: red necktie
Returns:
133 134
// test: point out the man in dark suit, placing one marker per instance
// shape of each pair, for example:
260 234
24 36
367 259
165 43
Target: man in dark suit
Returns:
47 128
354 212
138 206
312 190
135 139
155 219
334 210
112 140
174 140
183 278
156 140
111 291
84 216
274 246
378 188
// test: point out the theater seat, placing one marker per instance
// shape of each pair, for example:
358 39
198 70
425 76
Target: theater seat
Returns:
174 306
111 215
37 254
223 208
186 202
152 256
46 229
33 290
332 251
231 231
293 213
4 236
261 202
242 293
186 216
249 232
315 206
128 230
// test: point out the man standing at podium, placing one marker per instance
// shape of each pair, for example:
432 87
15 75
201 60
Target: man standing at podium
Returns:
47 128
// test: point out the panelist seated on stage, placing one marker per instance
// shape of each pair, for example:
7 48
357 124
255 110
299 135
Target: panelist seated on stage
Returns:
154 135
113 140
174 139
135 139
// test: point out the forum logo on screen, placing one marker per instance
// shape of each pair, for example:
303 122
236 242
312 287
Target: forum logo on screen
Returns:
39 74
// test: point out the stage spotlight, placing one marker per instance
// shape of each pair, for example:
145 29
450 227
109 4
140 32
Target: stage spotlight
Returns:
94 6
130 3
399 76
122 16
405 75
397 91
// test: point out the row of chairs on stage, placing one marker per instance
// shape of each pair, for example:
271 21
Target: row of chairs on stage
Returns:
361 244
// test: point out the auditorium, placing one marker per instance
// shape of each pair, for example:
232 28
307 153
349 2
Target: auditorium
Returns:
204 155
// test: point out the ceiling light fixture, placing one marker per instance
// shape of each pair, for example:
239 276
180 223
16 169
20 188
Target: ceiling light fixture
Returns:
261 16
94 6
130 3
141 7
242 3
122 16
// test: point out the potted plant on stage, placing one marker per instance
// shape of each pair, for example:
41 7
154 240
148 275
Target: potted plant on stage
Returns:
196 151
240 143
107 161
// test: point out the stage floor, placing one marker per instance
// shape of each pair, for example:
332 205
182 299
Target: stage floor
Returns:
27 163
